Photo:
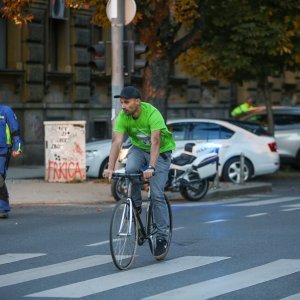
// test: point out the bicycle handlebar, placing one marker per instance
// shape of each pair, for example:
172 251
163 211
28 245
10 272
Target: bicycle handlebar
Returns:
125 175
132 175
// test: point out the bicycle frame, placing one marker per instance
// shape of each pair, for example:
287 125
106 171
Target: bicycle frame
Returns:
143 236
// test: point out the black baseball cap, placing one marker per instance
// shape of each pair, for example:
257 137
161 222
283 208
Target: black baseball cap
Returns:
129 92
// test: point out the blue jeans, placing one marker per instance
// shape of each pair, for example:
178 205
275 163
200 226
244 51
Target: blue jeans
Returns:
136 160
4 160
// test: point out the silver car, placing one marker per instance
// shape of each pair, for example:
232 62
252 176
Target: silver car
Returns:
286 130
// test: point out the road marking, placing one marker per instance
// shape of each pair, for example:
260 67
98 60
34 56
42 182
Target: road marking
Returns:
108 282
292 297
97 244
54 269
265 202
107 242
256 215
233 282
177 228
216 221
13 257
291 207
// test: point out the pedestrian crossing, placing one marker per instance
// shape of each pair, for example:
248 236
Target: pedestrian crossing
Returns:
54 269
12 257
206 289
230 283
111 280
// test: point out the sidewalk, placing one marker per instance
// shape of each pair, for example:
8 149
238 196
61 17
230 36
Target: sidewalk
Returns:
27 186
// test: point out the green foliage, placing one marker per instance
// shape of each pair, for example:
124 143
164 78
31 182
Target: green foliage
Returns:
244 40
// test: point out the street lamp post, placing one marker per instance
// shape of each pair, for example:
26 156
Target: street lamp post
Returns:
116 16
120 13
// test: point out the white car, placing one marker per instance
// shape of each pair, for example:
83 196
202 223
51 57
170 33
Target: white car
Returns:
235 138
286 130
97 154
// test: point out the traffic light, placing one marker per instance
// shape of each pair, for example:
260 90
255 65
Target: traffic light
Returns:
100 54
132 62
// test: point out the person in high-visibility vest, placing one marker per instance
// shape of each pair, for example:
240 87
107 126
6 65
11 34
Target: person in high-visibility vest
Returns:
10 143
242 108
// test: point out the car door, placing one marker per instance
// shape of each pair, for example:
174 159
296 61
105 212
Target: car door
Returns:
287 134
216 134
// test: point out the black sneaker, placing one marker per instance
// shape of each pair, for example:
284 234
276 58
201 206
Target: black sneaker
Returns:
161 249
3 215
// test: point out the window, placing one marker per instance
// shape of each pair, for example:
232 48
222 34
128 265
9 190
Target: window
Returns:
179 130
286 119
210 131
99 130
3 44
58 47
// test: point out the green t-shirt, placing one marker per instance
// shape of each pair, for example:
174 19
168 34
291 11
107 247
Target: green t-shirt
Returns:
140 130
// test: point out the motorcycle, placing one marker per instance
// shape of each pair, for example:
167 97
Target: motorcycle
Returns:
190 172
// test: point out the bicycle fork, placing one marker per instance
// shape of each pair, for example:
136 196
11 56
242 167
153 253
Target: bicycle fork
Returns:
126 219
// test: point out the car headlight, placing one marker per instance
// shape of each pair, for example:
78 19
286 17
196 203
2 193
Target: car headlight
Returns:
91 153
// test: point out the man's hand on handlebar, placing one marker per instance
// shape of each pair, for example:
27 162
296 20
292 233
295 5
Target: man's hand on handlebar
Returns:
148 173
108 174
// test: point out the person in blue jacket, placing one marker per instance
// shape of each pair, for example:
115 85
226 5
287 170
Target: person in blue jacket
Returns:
10 143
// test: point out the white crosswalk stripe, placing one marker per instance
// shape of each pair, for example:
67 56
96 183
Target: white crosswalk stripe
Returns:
13 257
292 297
54 269
233 282
202 290
105 283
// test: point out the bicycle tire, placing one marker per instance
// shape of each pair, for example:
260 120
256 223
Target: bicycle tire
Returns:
123 239
152 231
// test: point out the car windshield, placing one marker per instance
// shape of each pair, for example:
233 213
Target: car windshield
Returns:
250 126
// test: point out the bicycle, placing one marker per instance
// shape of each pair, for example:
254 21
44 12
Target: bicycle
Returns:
127 229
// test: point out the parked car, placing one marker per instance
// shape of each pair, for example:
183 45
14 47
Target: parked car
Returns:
234 137
97 155
286 130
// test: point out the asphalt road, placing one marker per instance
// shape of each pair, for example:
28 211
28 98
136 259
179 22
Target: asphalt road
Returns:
240 248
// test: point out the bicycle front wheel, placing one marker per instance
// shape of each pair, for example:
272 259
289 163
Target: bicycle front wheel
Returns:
123 234
152 228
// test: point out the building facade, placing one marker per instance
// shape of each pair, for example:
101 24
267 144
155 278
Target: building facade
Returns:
45 76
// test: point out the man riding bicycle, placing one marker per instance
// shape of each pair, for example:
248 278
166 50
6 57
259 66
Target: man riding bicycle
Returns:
152 147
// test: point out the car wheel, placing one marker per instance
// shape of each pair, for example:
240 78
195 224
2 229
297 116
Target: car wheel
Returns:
231 170
103 167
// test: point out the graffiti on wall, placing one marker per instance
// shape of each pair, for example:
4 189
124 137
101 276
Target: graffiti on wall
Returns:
64 171
65 151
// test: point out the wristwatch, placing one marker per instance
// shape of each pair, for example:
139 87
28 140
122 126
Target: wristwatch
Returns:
151 168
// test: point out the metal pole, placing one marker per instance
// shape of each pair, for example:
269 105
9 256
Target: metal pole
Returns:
117 31
242 165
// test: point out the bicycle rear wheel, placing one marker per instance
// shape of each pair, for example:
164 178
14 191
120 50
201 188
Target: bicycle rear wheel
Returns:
152 228
123 234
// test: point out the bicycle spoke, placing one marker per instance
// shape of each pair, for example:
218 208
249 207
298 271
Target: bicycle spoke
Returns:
123 235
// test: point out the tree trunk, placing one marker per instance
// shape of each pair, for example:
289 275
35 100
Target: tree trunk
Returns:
156 83
265 87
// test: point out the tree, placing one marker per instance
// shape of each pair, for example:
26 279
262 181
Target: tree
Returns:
246 40
157 24
16 11
236 40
